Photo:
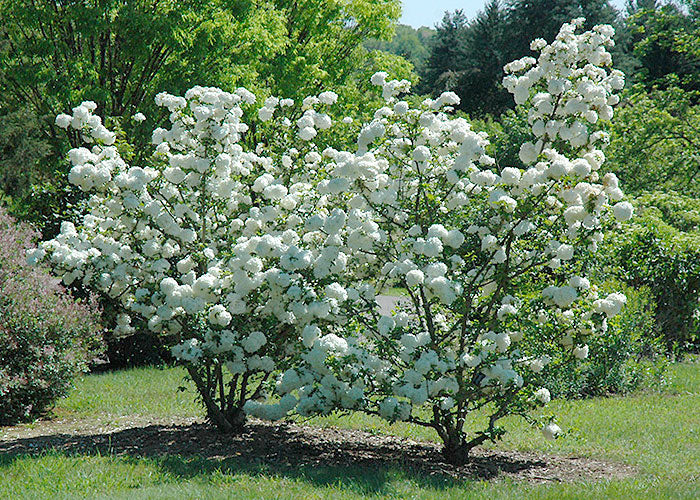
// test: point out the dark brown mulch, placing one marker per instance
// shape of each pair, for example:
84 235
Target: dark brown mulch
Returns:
289 446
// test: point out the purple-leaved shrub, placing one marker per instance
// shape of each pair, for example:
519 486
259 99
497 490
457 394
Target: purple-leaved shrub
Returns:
46 336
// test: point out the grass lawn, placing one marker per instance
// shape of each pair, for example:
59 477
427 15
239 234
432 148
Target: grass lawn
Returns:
658 433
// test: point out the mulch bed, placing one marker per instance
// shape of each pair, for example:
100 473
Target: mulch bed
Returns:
289 446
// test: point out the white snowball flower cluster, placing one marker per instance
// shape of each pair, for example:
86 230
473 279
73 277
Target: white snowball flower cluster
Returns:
90 124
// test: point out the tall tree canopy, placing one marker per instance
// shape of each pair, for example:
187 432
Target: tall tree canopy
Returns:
55 54
666 41
409 43
445 54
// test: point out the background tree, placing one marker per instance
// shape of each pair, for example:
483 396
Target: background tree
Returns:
121 54
655 145
485 54
666 41
446 56
323 42
530 19
409 43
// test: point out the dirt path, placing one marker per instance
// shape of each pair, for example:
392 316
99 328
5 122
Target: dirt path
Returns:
387 303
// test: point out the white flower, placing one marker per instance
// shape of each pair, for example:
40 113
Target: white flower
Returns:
379 78
611 305
421 153
414 277
385 324
565 252
310 334
387 408
528 153
506 310
470 360
63 120
328 97
542 395
551 431
139 117
579 282
454 238
218 315
561 296
331 343
307 133
254 341
536 365
623 211
511 176
336 291
581 352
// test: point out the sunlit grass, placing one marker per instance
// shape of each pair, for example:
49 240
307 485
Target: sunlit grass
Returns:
139 391
659 433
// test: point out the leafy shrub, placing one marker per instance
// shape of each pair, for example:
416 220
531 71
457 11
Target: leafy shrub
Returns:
46 336
654 141
661 251
627 357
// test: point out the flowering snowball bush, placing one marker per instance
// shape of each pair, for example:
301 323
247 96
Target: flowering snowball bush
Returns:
493 258
215 241
266 258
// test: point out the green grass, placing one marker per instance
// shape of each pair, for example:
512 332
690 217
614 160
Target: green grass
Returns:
394 291
659 433
139 391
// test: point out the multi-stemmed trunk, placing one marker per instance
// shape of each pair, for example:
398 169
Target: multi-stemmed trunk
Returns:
228 418
456 446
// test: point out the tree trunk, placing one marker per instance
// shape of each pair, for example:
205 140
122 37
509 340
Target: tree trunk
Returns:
228 422
456 451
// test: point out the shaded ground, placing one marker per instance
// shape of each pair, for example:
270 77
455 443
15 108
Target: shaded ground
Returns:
289 446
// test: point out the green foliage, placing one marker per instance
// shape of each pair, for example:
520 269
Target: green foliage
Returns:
53 55
445 54
655 141
507 133
119 54
358 97
468 58
660 250
22 149
530 19
410 43
323 43
485 54
666 41
45 336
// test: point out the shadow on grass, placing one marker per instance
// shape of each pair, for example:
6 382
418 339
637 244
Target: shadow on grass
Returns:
353 460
